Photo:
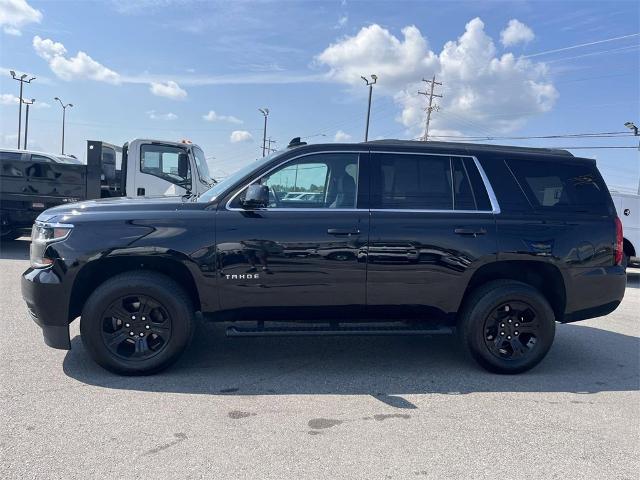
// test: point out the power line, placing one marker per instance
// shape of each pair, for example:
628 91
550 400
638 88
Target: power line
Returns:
580 45
527 137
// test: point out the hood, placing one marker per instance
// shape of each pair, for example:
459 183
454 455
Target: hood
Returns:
114 205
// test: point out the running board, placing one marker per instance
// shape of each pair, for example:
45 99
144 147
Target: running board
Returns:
334 331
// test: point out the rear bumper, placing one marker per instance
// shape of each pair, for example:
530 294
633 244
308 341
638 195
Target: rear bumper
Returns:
595 292
47 305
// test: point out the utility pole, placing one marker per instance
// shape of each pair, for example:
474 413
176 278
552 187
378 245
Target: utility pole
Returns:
26 121
269 142
265 112
22 80
64 113
370 85
634 128
431 106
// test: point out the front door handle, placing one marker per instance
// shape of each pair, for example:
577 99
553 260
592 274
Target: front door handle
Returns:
470 231
343 231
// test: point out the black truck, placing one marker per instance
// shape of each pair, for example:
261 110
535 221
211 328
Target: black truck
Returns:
31 182
496 243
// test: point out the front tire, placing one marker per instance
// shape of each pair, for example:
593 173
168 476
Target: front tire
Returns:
137 323
507 326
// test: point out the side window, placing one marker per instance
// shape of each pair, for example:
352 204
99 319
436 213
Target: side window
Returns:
419 182
164 161
41 158
463 198
561 186
11 169
477 185
12 156
314 181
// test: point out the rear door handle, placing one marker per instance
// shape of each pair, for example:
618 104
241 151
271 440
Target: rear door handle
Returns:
470 231
343 231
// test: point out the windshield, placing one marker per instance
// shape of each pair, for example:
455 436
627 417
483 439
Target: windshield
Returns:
201 164
232 179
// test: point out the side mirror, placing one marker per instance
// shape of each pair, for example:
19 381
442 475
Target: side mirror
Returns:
257 196
183 165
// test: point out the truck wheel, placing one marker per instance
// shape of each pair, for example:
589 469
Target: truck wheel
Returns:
507 326
137 323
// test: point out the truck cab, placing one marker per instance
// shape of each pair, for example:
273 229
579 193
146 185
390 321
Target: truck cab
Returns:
150 168
157 168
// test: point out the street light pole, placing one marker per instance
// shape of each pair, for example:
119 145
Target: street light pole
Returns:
22 80
370 85
26 121
265 112
64 113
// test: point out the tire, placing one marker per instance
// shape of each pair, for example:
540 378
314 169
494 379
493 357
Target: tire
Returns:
504 309
145 306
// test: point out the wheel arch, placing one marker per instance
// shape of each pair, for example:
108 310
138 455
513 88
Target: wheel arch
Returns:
96 272
628 247
545 277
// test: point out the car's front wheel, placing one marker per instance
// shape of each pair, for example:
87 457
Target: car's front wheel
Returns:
507 326
137 323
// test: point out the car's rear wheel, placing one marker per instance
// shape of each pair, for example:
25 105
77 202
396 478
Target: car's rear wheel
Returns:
137 323
507 326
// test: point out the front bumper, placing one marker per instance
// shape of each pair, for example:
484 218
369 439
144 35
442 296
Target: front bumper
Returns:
47 303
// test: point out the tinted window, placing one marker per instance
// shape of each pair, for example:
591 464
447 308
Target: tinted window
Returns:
13 156
314 181
477 185
575 187
420 182
41 158
462 191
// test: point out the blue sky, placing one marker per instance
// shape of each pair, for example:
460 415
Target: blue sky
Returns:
157 68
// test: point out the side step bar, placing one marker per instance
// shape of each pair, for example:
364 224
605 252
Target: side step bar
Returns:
235 331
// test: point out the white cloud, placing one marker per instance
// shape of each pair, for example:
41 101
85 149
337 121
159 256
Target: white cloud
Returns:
14 14
480 88
82 66
238 136
161 116
341 136
212 116
342 22
10 99
168 89
516 32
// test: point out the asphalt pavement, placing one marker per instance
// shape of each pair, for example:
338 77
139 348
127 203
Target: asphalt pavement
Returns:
315 408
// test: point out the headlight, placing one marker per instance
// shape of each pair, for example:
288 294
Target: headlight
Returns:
42 235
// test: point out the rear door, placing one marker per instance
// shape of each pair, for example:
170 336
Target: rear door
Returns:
432 225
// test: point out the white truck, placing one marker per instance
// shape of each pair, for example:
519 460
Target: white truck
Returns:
31 182
628 208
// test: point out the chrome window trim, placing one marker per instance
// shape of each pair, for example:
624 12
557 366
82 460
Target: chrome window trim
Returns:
495 207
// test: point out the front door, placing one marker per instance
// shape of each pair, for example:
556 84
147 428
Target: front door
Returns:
303 250
432 225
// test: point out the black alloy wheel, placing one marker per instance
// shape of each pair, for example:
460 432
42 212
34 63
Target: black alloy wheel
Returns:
136 327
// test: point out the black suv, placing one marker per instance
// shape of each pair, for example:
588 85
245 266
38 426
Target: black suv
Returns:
386 237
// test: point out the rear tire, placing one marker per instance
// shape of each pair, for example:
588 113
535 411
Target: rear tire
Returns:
137 323
506 326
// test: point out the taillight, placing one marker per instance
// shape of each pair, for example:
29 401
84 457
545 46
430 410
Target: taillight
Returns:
618 250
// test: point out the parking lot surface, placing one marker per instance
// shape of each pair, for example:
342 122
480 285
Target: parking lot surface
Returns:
339 408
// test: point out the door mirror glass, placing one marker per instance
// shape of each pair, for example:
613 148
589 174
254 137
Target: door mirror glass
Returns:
183 165
257 196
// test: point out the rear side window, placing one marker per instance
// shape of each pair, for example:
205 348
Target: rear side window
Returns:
420 182
426 182
563 187
11 156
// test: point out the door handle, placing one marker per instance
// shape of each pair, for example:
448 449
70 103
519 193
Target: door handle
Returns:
470 231
343 231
